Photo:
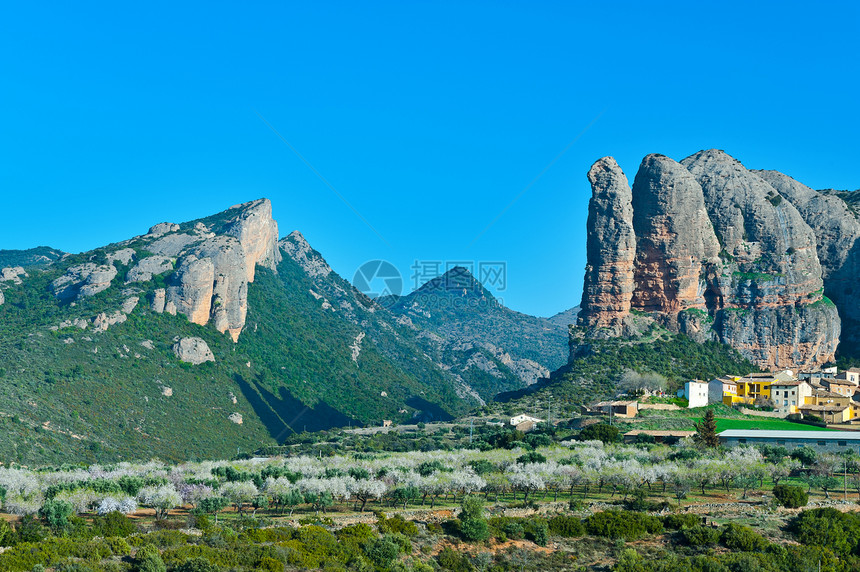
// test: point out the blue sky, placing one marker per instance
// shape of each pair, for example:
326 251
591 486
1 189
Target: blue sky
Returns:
430 118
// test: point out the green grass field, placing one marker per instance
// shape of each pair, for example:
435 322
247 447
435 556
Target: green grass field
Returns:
764 423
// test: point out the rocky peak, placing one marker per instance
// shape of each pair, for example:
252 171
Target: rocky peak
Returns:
720 253
458 281
610 250
304 255
675 241
257 231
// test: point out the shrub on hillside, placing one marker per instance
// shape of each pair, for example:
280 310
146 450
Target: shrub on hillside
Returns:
742 538
679 521
698 535
790 496
600 432
627 525
828 527
566 526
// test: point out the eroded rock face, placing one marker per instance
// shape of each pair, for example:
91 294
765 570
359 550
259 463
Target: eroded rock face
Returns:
257 231
163 228
836 231
84 280
611 250
151 266
123 256
675 242
193 350
12 274
722 254
192 292
159 297
300 251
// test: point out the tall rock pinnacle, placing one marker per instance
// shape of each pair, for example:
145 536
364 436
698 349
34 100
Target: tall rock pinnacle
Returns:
714 251
611 250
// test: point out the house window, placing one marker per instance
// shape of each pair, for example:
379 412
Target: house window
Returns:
841 443
742 441
822 444
780 442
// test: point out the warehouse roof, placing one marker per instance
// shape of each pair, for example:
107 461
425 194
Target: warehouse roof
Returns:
809 435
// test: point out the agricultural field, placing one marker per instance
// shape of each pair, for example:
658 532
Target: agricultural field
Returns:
526 502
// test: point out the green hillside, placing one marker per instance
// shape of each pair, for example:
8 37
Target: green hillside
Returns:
595 374
80 395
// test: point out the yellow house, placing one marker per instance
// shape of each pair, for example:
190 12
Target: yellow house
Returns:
753 387
830 406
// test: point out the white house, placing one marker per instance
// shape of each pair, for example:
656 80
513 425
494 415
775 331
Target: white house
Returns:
788 396
696 393
720 386
522 418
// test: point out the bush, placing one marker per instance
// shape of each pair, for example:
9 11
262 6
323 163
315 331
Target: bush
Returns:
600 432
790 496
679 521
698 535
537 531
114 524
449 559
830 528
56 513
148 559
566 526
627 525
200 564
742 538
382 551
473 525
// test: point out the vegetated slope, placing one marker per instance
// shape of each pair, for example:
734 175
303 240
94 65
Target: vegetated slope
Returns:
89 373
30 257
491 347
566 317
594 373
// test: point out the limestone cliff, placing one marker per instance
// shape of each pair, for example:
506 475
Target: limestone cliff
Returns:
205 266
611 249
836 230
720 254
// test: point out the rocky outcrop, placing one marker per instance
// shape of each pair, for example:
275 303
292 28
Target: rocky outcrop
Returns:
159 297
720 254
611 251
123 256
83 280
836 231
12 274
675 242
193 350
300 251
257 232
151 266
162 228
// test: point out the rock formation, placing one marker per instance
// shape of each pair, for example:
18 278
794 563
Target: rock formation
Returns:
611 249
257 231
83 280
193 350
151 266
836 231
206 266
12 274
675 242
720 254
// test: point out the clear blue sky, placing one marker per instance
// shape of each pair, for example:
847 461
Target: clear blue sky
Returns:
429 117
